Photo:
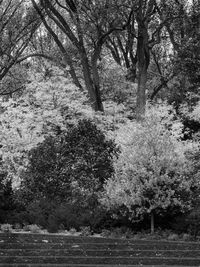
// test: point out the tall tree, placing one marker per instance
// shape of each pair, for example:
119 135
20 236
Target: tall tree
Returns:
133 46
181 23
151 174
87 25
17 26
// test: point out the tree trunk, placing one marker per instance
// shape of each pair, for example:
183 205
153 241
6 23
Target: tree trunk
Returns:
141 94
67 60
152 223
143 57
95 75
92 85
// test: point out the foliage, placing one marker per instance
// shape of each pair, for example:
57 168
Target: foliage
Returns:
193 224
6 228
114 83
63 178
85 231
7 204
74 163
189 223
50 138
53 225
33 228
150 175
54 216
17 27
72 231
45 108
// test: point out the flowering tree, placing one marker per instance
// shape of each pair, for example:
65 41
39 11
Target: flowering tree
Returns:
45 107
150 174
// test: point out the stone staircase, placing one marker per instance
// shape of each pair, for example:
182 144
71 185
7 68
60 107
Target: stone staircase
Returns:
35 250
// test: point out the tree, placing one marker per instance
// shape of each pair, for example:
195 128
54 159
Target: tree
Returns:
46 107
70 165
181 39
87 25
150 176
17 26
6 195
134 46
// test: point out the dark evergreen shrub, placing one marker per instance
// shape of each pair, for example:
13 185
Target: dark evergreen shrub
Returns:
7 204
67 172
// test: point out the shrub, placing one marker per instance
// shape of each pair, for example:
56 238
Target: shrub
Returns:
33 228
152 172
188 223
173 237
186 237
85 231
53 225
6 228
17 227
72 231
106 233
64 176
6 197
76 163
193 222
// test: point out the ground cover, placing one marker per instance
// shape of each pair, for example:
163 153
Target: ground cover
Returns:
19 249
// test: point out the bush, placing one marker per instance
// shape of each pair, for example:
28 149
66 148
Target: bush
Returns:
188 223
106 233
17 227
6 228
51 216
152 172
187 237
173 237
33 228
6 197
53 225
85 231
72 231
193 222
76 163
65 174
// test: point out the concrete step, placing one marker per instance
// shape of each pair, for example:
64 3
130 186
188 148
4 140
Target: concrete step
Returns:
35 250
99 253
99 246
187 261
81 265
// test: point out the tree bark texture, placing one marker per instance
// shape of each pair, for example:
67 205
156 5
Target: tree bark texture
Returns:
143 58
91 81
152 223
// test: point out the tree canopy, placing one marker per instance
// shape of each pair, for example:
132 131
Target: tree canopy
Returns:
107 92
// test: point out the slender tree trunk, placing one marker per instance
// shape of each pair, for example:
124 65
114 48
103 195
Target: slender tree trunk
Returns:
141 94
68 62
152 223
91 85
143 57
96 80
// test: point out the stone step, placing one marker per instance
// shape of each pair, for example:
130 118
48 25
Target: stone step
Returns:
35 250
83 265
186 261
99 253
30 238
54 238
99 246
